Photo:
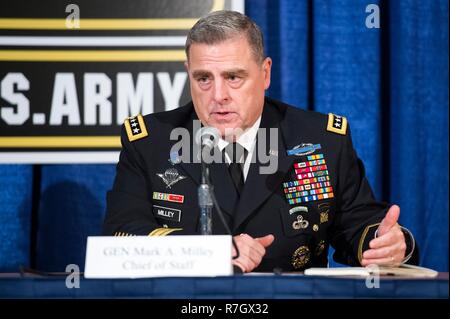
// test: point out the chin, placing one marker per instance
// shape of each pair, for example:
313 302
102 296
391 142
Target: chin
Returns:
220 128
226 128
231 133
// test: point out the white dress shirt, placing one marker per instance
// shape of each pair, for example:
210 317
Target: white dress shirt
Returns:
248 141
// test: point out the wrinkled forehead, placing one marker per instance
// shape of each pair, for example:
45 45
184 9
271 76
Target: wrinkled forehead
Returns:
236 47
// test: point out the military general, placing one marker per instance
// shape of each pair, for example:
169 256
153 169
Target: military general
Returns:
285 218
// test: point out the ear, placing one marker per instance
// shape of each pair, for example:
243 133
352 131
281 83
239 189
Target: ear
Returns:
186 66
267 67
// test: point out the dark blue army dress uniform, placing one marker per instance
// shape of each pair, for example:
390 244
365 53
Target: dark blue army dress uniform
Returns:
318 196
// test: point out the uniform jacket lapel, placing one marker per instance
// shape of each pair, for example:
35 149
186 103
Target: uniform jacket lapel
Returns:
258 187
223 187
191 168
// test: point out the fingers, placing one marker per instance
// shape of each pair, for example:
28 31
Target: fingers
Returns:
251 251
390 220
388 249
252 245
394 235
266 241
378 253
247 261
397 251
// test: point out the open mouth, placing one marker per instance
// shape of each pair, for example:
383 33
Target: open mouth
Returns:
223 115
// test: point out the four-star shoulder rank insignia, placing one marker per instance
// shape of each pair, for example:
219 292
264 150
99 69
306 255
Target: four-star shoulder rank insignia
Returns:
135 128
337 124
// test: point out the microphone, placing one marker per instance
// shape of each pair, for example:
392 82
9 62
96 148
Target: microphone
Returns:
208 138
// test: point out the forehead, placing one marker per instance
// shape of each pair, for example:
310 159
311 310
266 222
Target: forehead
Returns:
231 52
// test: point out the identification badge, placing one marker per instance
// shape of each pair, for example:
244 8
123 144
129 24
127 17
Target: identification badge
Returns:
167 213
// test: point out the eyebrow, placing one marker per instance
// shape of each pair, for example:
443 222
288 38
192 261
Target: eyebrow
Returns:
239 72
202 73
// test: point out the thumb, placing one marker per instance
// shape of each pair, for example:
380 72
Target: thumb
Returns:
266 241
389 220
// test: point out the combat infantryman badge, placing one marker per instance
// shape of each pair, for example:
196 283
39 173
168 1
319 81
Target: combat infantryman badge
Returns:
304 149
170 177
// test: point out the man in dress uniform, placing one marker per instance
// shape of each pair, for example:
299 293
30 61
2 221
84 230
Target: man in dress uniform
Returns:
317 196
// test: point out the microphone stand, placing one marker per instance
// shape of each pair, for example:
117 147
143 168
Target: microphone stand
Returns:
205 201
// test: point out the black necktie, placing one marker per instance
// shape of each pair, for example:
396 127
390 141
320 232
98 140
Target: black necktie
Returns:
237 154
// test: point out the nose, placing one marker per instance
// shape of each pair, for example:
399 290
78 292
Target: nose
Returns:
221 95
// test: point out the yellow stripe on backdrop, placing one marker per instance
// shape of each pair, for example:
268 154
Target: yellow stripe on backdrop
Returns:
98 24
60 141
92 56
106 24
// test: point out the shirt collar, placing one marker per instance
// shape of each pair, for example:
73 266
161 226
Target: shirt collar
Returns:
247 139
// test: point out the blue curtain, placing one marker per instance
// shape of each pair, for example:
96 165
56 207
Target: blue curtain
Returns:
391 83
47 212
16 183
419 122
71 207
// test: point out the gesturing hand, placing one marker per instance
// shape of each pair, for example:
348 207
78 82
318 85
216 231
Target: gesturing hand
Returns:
251 251
390 246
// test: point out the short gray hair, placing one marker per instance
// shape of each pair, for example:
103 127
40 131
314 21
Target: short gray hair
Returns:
219 26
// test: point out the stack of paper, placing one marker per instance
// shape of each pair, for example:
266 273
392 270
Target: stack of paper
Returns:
403 270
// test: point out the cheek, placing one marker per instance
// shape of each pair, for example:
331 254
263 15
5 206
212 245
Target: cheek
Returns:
202 101
246 104
250 106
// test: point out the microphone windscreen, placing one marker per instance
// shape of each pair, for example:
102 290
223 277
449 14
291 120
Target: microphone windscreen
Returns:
208 136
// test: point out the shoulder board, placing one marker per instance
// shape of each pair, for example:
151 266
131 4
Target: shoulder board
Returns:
337 124
135 127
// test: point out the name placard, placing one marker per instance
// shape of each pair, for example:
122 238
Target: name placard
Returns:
168 256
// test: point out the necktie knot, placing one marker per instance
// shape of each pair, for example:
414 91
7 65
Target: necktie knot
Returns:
236 153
